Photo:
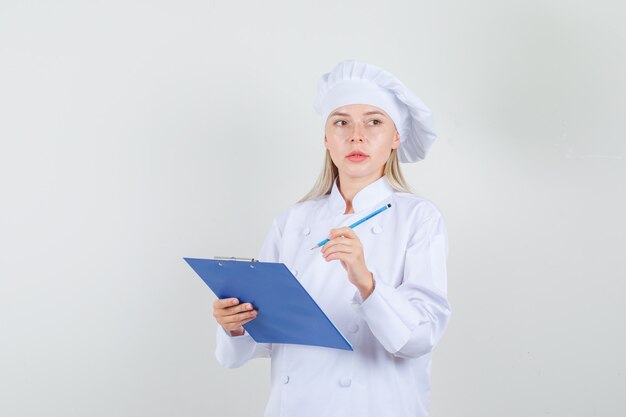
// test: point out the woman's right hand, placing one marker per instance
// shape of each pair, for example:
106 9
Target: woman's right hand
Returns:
232 316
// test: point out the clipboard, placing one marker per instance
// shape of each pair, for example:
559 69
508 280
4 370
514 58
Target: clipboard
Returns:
286 312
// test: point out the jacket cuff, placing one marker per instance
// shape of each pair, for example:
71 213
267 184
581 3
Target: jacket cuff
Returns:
381 318
233 351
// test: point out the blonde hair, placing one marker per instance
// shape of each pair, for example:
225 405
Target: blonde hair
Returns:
324 183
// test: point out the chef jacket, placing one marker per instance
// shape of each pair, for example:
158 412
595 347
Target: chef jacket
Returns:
392 332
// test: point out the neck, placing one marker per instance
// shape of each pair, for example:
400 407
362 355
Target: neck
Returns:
349 187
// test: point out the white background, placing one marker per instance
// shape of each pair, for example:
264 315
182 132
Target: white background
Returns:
134 133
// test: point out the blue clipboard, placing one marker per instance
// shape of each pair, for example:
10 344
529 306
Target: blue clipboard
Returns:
286 312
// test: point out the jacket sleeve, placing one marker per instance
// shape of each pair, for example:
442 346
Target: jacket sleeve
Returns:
234 351
409 320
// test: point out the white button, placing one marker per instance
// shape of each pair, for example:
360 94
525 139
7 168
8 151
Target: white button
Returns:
285 379
306 231
354 328
345 382
377 229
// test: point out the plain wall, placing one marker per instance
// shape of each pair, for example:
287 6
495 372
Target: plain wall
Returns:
135 133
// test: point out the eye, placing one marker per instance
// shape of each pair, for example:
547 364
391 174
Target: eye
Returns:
339 120
377 122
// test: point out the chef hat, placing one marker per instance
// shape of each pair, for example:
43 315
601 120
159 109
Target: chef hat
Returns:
354 82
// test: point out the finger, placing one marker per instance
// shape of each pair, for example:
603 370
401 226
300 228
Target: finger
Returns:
342 231
336 243
337 240
347 257
336 256
229 311
238 318
241 322
236 326
247 321
338 246
233 325
239 308
225 302
339 249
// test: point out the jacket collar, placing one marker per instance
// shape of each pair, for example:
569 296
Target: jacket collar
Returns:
364 199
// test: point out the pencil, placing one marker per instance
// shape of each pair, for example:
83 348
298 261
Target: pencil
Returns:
353 225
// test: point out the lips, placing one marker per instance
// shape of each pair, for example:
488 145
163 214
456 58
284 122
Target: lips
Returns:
356 153
356 156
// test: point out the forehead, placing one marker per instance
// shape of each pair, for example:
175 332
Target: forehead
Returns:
355 110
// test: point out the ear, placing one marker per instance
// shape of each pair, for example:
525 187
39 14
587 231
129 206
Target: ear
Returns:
396 141
325 142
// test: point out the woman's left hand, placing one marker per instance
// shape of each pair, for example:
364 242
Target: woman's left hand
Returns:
346 246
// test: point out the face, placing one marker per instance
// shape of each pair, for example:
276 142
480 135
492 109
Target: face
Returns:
363 128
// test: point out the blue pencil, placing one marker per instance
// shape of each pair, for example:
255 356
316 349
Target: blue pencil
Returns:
353 225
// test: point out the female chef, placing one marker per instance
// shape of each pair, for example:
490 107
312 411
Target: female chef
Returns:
383 283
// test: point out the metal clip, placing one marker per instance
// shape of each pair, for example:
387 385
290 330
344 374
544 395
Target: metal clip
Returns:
232 258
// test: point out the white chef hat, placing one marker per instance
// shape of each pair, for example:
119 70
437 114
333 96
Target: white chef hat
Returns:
354 82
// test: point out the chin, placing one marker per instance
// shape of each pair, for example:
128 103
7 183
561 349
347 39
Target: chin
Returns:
359 173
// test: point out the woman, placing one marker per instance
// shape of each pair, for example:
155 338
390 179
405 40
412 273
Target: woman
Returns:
383 283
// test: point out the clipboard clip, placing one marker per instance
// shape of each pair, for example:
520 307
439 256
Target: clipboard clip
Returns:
232 258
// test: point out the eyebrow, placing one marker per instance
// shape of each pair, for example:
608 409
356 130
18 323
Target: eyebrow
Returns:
347 115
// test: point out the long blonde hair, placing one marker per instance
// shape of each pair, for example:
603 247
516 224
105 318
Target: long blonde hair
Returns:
324 183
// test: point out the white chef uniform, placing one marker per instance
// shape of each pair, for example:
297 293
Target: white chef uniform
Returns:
392 332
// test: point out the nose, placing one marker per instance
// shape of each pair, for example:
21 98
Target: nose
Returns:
357 134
